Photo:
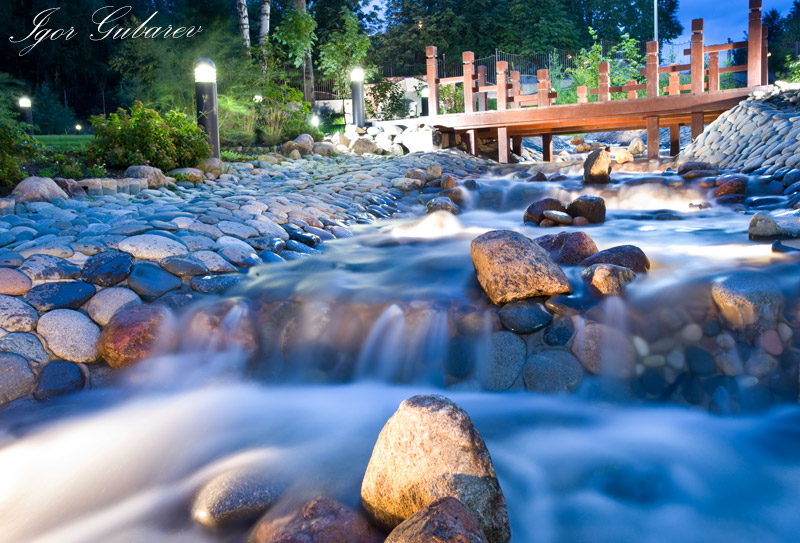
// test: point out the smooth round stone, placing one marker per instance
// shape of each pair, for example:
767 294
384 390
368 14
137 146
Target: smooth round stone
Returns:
747 298
700 361
57 379
149 281
228 241
214 262
771 342
525 316
785 332
215 284
152 247
235 496
268 257
49 268
16 315
760 364
505 362
184 266
296 246
67 295
16 377
106 303
107 269
557 216
135 333
11 260
267 244
25 345
692 333
238 230
197 243
559 332
237 256
14 282
552 371
654 361
70 335
60 249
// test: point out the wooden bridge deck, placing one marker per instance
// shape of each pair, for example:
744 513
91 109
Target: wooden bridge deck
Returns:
519 115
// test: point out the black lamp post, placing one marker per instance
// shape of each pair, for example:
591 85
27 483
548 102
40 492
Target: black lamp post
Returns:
357 88
205 88
27 112
424 105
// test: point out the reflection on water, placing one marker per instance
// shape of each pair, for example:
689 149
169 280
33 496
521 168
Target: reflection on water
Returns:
396 304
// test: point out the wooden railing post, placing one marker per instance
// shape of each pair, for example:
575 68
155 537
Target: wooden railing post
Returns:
516 88
698 68
502 86
543 88
652 69
713 71
674 82
764 56
469 81
754 45
632 95
603 94
583 94
433 81
483 97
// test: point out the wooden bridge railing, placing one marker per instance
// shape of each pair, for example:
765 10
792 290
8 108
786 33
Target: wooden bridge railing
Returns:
510 95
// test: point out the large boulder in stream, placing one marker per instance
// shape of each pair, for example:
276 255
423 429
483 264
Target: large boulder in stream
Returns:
568 248
626 256
512 267
444 521
748 299
430 450
135 333
597 167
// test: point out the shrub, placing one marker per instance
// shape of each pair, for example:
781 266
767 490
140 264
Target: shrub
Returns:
15 147
451 99
386 101
144 137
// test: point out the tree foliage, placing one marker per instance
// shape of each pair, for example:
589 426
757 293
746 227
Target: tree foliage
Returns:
344 49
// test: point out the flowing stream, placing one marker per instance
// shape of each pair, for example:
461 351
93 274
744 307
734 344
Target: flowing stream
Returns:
346 336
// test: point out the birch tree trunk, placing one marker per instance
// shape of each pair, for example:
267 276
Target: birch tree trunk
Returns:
244 24
308 68
263 29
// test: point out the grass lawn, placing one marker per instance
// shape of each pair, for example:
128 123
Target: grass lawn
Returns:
64 143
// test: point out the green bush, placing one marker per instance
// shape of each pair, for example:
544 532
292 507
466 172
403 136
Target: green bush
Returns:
16 146
145 137
386 101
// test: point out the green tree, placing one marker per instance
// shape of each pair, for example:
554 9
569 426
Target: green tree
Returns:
539 26
344 50
624 59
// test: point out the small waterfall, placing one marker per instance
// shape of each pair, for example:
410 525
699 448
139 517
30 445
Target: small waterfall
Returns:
384 349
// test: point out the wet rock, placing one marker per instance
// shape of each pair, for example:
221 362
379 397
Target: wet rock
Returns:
568 248
105 304
687 167
14 283
410 469
321 520
364 145
771 342
150 281
25 345
152 247
66 295
626 256
16 315
535 211
37 189
504 364
58 378
214 284
235 496
592 208
637 147
407 183
70 335
559 332
760 364
577 140
108 268
525 316
135 333
551 371
214 262
16 378
444 521
604 350
49 268
511 267
71 187
731 186
748 298
184 266
597 167
442 204
762 225
607 279
558 217
224 325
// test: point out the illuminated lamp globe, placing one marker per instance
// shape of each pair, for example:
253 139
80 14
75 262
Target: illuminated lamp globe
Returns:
205 71
24 102
357 75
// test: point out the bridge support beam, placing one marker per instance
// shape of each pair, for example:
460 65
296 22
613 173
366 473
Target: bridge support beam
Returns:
547 147
674 139
472 143
503 155
697 124
516 145
653 141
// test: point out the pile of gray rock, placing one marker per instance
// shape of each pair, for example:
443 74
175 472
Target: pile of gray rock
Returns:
386 139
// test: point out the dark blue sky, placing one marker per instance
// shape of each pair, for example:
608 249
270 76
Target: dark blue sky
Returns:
723 18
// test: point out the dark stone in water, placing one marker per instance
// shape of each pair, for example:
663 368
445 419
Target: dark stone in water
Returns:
525 316
471 184
731 199
778 247
108 268
711 328
461 358
183 266
765 201
593 208
692 390
177 300
568 248
269 256
627 256
267 244
66 295
559 332
149 281
535 211
294 245
633 485
59 378
653 382
215 284
565 305
700 361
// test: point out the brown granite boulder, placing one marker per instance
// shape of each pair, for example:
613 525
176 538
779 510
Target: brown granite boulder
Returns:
627 256
568 248
608 279
597 167
37 189
444 521
135 333
592 208
535 211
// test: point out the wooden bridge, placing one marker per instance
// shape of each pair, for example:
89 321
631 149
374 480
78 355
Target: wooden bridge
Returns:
521 115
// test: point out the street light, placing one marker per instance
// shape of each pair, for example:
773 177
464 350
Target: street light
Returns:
205 92
27 112
314 121
655 20
424 93
78 127
357 89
